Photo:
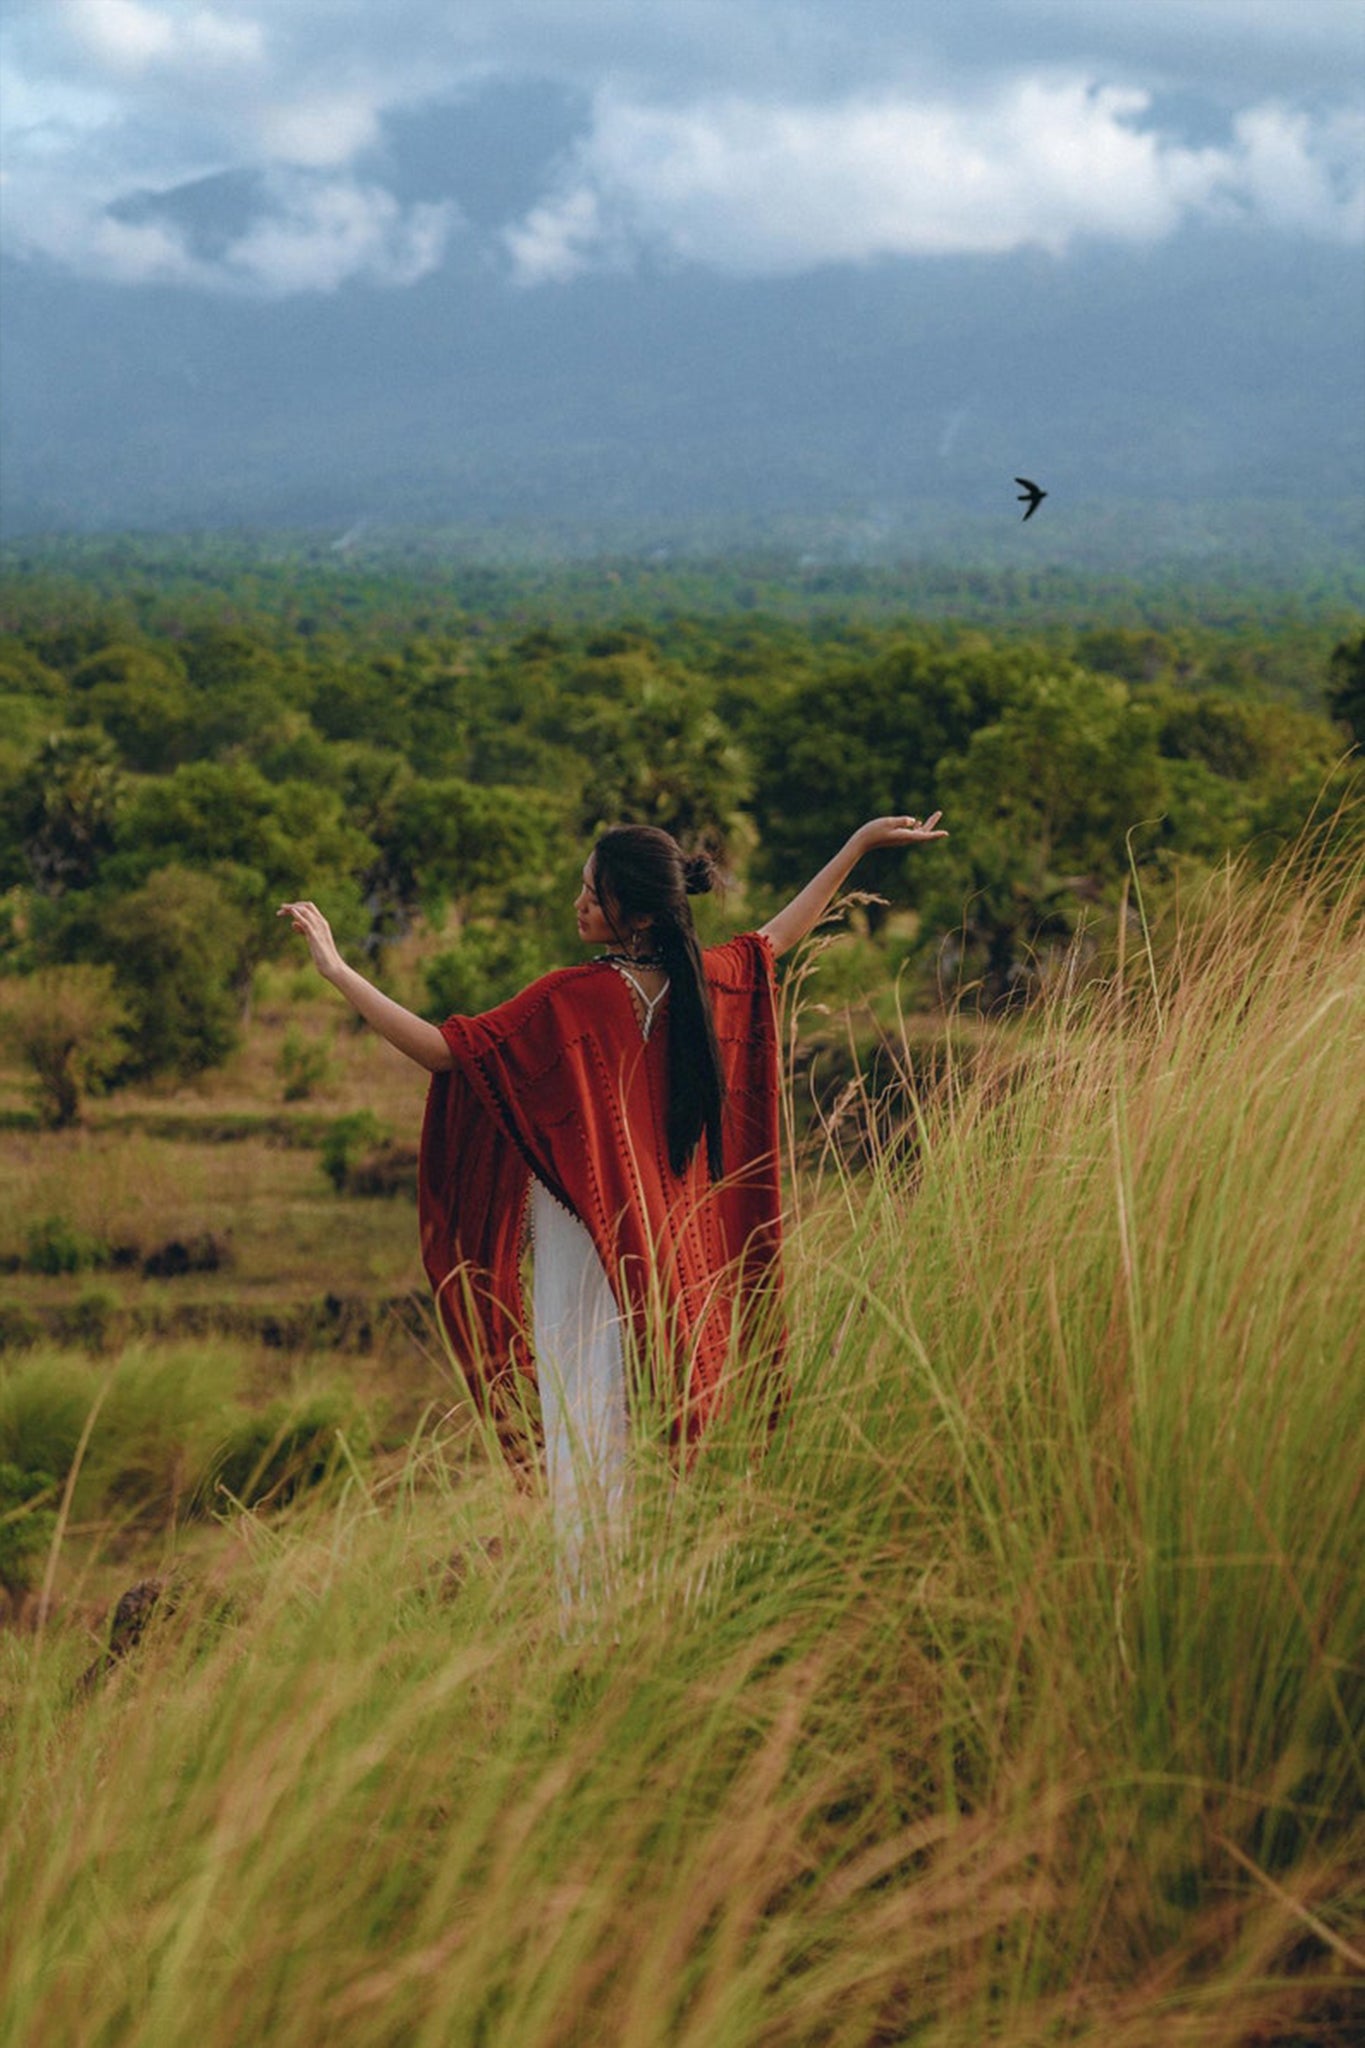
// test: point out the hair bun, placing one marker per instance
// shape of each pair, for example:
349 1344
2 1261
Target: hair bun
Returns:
699 873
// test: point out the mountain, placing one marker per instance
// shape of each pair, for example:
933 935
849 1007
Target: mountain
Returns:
897 398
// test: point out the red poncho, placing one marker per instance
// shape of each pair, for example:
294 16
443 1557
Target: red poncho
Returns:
560 1083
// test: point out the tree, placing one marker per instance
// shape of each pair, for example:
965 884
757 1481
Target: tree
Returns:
60 815
1224 756
1346 685
238 687
490 963
140 697
32 699
662 758
67 1024
262 841
367 704
1040 803
446 840
1241 740
1134 654
23 675
177 944
867 739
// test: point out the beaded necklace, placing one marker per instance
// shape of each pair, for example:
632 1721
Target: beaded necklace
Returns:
623 963
632 959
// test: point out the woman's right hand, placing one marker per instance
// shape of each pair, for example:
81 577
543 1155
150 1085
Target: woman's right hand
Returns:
904 831
309 920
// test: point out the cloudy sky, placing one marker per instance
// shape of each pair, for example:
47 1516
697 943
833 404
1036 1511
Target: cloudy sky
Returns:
256 152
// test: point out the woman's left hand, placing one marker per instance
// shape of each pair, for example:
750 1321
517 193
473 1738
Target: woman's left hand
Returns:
309 920
906 831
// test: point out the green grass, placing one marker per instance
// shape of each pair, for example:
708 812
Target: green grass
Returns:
137 1446
1015 1695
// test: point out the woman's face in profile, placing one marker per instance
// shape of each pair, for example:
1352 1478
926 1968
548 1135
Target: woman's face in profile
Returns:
593 927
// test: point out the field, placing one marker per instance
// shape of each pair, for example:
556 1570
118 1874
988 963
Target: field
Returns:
1013 1692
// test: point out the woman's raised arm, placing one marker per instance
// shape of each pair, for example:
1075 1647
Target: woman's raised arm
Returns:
804 912
404 1030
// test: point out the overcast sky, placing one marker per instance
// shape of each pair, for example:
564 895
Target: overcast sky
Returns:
602 262
752 137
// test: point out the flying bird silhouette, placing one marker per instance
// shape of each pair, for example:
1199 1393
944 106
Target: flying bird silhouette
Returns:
1030 495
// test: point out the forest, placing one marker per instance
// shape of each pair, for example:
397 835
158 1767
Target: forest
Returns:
426 746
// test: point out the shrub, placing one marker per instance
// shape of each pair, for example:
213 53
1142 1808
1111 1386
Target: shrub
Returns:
489 964
18 1329
26 1523
345 1141
204 1252
169 1432
156 1437
93 1320
44 1402
178 942
286 1449
304 1065
388 1170
67 1024
55 1246
1346 685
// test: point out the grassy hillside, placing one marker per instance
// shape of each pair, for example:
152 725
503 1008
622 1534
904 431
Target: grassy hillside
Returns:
1014 1694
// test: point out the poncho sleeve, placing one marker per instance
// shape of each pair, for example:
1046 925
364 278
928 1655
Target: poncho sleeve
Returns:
742 976
480 1146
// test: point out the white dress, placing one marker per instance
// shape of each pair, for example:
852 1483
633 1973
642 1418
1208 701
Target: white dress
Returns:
580 1367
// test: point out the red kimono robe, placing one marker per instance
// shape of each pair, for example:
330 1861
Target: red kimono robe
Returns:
561 1083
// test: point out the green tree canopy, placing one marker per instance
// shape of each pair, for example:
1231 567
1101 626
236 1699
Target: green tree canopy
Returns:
140 697
32 701
446 840
177 945
60 814
866 740
366 703
660 757
22 674
1346 685
1043 800
263 842
239 687
267 840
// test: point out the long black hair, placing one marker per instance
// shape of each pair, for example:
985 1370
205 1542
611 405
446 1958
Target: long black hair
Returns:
640 872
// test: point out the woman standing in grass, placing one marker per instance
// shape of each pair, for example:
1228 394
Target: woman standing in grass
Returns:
626 1110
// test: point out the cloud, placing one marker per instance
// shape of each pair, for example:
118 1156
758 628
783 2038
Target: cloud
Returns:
561 238
124 36
322 232
309 233
327 128
1302 176
135 100
758 135
747 186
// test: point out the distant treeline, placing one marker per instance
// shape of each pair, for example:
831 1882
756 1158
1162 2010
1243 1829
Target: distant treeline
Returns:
189 735
379 583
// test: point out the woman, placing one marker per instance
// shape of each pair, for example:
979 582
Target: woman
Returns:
626 1109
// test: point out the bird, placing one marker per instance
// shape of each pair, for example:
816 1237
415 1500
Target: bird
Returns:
1032 494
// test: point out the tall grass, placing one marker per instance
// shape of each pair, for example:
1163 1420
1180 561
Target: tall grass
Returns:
1014 1695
